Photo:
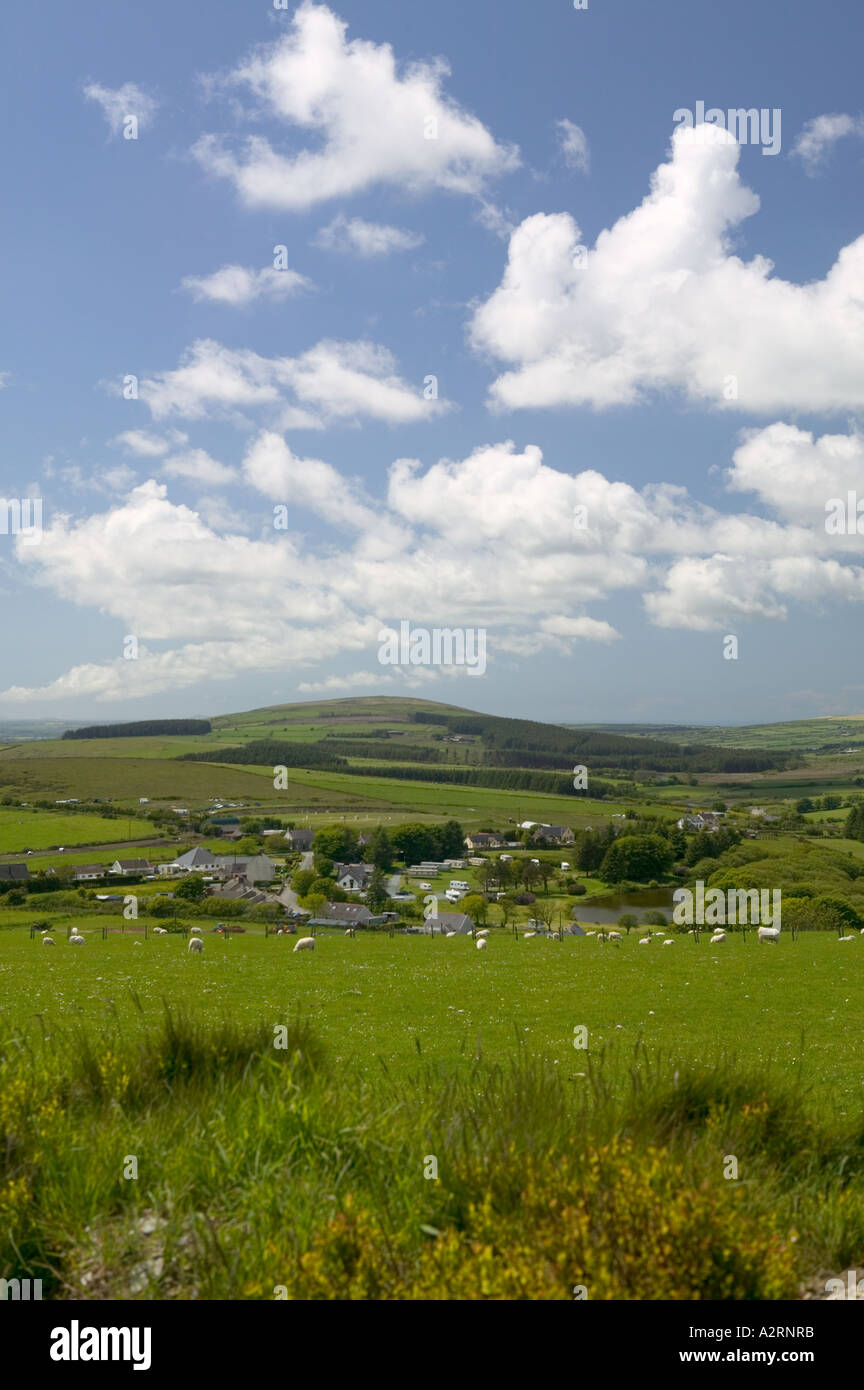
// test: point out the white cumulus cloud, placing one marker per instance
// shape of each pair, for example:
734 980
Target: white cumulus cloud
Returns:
332 381
661 303
500 540
371 121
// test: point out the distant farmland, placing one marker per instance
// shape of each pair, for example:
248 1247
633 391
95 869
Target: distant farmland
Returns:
22 830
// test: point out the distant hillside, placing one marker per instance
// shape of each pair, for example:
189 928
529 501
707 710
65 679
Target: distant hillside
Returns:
377 733
146 728
357 709
829 734
32 730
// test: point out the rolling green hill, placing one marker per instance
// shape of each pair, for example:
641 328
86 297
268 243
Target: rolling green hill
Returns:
407 754
801 735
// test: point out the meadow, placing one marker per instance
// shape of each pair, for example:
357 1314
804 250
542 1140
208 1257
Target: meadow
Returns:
22 829
401 1118
377 998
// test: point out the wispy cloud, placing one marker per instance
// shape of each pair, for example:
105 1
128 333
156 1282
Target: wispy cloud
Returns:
119 103
236 285
819 137
366 239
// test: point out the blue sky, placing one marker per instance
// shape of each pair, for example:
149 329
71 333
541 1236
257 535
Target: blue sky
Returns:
601 386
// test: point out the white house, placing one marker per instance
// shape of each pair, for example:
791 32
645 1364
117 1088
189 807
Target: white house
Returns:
129 866
353 878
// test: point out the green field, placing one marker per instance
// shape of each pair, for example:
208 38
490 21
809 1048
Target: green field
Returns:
21 829
376 997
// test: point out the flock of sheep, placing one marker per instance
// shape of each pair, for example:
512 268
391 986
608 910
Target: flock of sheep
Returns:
307 943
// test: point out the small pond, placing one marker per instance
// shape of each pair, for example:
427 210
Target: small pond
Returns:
614 905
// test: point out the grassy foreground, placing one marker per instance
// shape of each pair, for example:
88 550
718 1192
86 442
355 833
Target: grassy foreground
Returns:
407 1118
267 1172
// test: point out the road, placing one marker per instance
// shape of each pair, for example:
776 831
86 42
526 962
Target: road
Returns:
287 894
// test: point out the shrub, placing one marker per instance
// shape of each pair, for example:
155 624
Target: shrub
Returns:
624 1222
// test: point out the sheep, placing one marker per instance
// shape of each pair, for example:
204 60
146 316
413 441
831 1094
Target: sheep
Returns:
160 931
350 931
768 933
306 943
195 944
48 941
526 935
718 937
481 944
194 931
136 943
555 936
76 940
614 935
845 938
670 942
484 931
451 933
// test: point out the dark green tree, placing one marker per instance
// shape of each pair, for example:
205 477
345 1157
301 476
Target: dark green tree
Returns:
637 858
193 889
377 897
379 851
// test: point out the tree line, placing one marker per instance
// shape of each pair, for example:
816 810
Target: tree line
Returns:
523 739
142 729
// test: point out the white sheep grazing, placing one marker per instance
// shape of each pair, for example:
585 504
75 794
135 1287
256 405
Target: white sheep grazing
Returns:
136 943
481 944
194 931
614 935
769 933
306 943
76 940
48 941
349 931
590 933
528 934
484 931
646 941
451 933
670 942
195 944
845 938
718 937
